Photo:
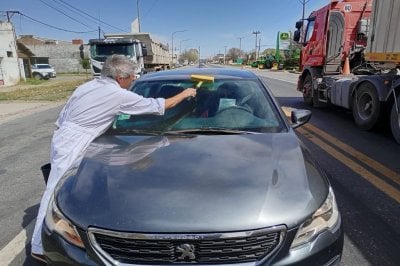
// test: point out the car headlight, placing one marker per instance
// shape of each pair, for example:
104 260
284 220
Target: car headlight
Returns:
324 218
57 222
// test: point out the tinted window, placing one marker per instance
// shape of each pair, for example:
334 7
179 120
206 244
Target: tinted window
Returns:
105 50
43 66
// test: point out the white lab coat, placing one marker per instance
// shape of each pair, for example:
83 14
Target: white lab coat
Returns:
88 113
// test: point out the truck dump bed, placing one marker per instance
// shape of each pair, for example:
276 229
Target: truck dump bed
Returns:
157 53
384 33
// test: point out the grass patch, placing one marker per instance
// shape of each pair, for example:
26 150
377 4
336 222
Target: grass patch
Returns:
56 92
33 82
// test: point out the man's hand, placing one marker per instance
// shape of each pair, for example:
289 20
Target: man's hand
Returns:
171 102
190 92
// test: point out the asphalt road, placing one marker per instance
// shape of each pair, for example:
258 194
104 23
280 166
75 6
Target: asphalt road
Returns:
25 143
363 168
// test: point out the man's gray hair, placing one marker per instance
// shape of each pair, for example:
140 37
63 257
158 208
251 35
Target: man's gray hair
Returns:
118 66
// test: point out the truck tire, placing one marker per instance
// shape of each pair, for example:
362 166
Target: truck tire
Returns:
307 90
395 121
366 106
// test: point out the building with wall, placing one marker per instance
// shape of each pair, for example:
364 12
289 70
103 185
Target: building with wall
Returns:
11 67
62 55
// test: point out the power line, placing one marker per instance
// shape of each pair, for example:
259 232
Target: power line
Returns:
74 11
51 26
151 8
60 11
303 2
83 12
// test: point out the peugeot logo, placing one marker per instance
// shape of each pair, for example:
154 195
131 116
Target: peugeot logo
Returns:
186 251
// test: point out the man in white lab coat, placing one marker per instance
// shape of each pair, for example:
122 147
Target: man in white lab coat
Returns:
87 114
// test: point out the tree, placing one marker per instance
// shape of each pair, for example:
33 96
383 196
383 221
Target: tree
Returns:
234 53
269 51
85 64
191 56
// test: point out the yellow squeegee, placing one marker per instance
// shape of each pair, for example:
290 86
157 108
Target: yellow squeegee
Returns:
201 78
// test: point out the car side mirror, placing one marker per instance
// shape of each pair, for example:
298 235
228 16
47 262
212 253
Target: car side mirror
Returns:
299 117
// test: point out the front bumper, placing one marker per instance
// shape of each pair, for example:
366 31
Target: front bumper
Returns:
325 249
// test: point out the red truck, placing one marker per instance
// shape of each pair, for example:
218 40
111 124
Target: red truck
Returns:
351 57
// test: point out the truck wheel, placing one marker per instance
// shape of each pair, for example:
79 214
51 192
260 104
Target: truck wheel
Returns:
395 121
307 90
366 106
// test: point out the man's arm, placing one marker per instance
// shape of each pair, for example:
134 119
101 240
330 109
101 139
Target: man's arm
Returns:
173 101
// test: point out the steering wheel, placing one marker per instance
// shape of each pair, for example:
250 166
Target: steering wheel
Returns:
235 107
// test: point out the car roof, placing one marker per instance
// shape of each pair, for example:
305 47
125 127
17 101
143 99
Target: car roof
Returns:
217 73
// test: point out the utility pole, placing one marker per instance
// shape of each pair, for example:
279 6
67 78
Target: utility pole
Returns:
240 46
138 17
172 45
255 50
199 56
303 2
99 31
10 14
225 55
180 45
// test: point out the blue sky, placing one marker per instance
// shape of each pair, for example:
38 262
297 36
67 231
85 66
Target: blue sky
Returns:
209 24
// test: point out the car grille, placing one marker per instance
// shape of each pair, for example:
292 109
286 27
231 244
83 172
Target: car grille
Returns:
219 248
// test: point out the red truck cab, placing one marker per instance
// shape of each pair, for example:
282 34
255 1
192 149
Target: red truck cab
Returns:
333 32
338 43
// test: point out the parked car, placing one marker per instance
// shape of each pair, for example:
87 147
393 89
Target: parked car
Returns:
220 179
43 71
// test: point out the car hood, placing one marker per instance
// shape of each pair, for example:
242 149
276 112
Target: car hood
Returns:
193 184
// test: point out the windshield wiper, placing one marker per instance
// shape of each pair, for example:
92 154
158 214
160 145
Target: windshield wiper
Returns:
136 131
212 130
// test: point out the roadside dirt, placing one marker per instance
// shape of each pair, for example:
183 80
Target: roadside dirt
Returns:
28 103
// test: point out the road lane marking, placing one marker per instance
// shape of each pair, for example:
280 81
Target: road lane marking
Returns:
355 167
16 246
377 166
356 154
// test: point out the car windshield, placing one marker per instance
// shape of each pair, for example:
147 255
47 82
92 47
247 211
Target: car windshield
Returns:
103 50
234 106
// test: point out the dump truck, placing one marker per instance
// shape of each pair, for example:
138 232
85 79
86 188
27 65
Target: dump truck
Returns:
350 58
148 54
157 57
100 49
